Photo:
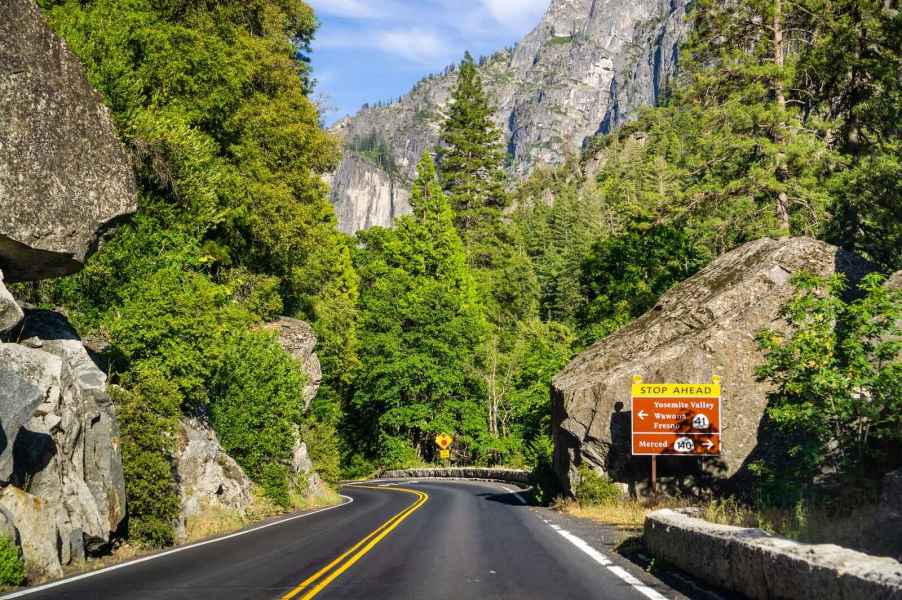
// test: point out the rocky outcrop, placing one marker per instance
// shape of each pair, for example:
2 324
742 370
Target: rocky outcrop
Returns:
369 195
303 470
208 478
10 311
702 327
489 473
64 176
587 67
299 340
65 458
761 566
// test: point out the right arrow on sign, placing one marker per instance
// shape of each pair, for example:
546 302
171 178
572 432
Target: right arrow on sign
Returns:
708 444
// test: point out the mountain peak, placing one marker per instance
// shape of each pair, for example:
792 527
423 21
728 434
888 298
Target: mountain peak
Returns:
585 68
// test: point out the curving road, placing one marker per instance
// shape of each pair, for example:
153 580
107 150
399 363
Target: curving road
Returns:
404 540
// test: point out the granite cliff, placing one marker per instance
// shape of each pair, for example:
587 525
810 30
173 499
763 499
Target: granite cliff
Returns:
587 67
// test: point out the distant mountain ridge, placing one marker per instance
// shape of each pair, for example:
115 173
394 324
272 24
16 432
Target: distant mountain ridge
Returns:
586 68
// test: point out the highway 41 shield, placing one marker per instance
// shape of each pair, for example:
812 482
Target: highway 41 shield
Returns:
675 419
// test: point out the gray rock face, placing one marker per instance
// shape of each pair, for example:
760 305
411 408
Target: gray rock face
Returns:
703 326
587 67
28 379
209 479
299 340
63 174
66 454
371 197
304 471
887 529
762 566
10 311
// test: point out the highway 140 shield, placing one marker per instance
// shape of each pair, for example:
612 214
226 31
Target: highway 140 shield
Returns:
676 419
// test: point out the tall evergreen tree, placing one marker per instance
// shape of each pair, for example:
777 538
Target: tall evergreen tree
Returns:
472 154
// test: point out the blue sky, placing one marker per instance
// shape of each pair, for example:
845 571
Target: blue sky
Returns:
370 50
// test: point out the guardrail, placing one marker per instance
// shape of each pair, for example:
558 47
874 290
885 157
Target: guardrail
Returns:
759 565
519 476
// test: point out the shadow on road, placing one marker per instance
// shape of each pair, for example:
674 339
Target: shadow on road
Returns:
509 498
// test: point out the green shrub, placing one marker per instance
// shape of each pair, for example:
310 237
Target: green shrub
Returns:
12 568
148 420
256 408
594 488
397 453
837 379
545 484
322 446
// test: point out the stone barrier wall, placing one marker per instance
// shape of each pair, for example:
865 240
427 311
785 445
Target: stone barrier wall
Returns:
510 475
762 566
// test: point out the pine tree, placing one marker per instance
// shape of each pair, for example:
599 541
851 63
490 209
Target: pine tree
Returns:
472 154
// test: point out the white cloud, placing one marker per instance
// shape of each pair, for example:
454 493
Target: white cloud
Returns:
353 9
415 45
516 15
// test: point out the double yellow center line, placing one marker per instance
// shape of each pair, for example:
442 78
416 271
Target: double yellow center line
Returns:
330 572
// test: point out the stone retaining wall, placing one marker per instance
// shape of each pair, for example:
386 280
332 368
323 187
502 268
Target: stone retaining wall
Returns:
759 565
498 474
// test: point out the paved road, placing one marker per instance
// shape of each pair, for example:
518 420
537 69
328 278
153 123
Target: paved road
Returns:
424 540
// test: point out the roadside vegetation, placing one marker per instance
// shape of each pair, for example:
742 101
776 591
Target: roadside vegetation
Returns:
457 318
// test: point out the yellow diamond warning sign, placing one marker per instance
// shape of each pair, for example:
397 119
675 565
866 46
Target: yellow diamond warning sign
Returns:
443 441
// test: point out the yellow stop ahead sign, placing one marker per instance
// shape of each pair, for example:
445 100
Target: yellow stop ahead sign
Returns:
443 440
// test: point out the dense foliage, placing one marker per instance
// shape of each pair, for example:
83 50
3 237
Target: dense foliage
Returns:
837 378
234 228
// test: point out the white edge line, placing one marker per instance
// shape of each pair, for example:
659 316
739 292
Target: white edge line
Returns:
601 559
635 583
585 547
130 563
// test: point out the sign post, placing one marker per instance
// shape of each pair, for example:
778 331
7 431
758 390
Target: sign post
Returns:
675 419
443 441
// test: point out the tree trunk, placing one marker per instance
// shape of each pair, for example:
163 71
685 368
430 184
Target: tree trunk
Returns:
780 93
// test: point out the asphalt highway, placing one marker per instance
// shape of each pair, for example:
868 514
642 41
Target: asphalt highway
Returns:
404 540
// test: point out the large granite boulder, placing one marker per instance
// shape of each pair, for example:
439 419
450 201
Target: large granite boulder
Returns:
64 176
10 311
209 479
299 340
28 379
702 327
66 453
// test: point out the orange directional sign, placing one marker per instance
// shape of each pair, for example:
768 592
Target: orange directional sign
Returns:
676 419
443 441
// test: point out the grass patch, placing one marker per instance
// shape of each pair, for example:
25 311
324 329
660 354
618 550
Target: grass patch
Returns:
849 527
